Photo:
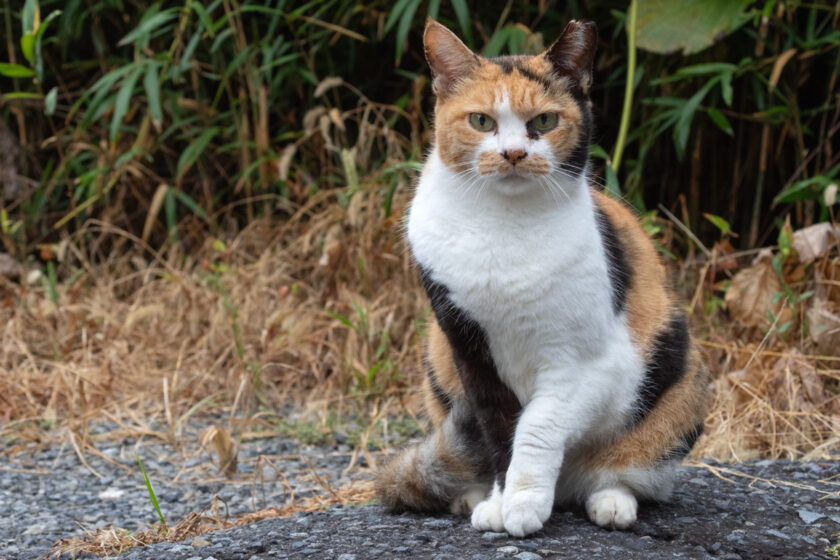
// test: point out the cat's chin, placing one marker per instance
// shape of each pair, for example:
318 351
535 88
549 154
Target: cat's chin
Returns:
513 184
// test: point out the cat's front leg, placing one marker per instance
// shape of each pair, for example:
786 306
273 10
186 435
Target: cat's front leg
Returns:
544 428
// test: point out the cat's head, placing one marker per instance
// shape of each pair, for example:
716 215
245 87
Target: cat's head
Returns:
513 119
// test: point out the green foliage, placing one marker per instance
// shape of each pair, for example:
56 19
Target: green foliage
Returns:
227 108
666 26
163 527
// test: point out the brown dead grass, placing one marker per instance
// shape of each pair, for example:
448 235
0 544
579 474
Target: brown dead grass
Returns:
112 541
325 310
295 313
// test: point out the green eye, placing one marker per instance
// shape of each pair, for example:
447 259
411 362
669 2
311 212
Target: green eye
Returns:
482 122
544 122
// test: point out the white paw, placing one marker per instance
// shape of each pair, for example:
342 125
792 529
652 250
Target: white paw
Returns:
466 502
614 508
487 515
526 512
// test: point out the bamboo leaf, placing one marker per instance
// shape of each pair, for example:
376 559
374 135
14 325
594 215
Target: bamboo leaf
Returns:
405 26
151 84
27 45
50 101
121 102
394 15
29 16
15 70
194 150
462 13
720 120
148 25
187 201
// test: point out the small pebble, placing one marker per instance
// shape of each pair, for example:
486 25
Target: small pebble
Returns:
809 516
507 549
528 556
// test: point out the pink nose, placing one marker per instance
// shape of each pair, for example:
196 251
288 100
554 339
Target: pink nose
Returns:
514 156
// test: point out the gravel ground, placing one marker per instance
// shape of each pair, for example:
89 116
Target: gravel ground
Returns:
49 495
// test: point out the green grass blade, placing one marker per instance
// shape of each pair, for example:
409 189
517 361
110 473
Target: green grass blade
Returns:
152 496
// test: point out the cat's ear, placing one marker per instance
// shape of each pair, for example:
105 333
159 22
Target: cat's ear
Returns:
448 57
573 54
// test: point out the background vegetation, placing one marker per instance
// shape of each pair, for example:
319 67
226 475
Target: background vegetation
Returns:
201 203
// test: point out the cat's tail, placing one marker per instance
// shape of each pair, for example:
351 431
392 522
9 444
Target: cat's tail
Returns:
430 476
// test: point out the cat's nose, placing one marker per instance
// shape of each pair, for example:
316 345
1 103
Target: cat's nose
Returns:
514 156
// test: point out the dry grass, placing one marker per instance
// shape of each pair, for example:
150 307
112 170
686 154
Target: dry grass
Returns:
300 312
113 541
325 310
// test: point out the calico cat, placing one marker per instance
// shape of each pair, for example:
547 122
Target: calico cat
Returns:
559 366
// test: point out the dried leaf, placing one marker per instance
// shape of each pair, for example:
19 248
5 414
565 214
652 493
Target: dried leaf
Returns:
225 448
154 210
335 117
750 295
814 241
778 66
311 117
332 246
327 84
286 161
824 325
9 267
830 194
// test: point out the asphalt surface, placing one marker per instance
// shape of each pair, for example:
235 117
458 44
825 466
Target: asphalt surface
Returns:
768 509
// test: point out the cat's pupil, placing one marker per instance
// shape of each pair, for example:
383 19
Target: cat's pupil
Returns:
481 120
543 119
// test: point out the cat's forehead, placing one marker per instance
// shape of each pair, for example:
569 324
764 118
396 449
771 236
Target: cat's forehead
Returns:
525 83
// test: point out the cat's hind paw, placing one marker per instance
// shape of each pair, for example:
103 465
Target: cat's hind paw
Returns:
487 515
612 508
467 502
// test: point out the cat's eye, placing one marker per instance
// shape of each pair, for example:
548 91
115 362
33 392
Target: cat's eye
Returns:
544 122
482 122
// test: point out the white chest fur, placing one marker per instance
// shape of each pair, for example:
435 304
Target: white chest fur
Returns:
530 268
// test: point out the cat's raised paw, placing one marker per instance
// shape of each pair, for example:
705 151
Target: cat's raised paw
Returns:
487 515
612 508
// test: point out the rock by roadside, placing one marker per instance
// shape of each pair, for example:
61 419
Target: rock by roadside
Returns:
771 510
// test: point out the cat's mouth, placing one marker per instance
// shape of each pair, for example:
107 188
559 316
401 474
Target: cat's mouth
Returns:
534 165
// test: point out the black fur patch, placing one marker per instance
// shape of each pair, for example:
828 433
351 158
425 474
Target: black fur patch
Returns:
665 366
621 273
505 62
578 160
685 445
441 395
494 404
511 63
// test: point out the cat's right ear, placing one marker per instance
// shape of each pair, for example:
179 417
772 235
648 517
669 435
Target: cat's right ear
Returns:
448 57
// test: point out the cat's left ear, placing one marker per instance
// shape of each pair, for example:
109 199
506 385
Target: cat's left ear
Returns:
449 58
573 54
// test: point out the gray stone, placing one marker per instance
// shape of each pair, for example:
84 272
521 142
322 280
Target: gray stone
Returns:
491 536
779 534
809 516
528 556
507 549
